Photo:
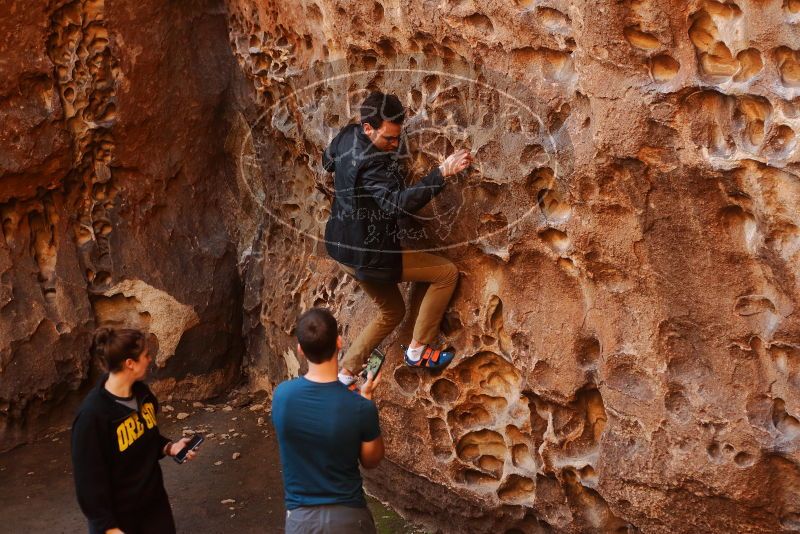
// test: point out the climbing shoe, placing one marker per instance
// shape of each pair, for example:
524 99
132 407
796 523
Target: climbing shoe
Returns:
431 358
351 382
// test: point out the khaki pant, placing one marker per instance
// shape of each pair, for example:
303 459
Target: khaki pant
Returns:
442 276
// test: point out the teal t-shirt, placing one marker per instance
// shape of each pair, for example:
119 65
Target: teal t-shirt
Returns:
320 427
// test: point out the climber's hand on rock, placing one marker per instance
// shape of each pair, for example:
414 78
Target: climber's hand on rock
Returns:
456 162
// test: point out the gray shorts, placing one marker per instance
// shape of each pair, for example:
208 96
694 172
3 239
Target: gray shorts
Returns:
329 519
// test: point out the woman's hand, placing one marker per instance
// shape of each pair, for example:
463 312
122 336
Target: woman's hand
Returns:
456 162
175 448
114 531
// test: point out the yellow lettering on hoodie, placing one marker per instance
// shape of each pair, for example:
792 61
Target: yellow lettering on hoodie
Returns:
122 437
149 415
132 428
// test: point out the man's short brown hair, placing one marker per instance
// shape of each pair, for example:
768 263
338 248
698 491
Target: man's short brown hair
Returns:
317 332
379 107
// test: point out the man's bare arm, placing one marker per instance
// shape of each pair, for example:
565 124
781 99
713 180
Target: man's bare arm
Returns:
371 453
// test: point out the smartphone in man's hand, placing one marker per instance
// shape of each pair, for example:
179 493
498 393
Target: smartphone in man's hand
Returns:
374 364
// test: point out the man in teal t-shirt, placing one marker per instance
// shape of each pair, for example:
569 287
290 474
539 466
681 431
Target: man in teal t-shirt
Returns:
324 430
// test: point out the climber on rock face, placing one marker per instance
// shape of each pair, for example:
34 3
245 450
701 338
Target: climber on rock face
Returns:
362 233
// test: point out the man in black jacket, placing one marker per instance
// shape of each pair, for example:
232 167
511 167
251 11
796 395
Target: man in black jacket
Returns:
362 233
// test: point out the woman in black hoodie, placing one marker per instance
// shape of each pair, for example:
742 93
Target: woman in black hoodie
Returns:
116 444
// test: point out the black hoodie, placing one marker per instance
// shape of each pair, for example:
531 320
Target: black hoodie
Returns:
371 196
115 454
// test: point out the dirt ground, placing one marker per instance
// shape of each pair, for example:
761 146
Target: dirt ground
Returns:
213 494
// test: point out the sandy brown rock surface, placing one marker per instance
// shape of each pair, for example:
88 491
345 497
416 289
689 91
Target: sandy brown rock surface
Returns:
110 168
628 244
628 241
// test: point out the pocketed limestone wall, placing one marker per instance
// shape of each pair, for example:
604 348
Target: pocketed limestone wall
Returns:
628 245
628 239
113 200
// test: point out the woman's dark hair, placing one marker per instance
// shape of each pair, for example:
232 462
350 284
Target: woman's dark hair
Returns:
378 107
317 332
115 345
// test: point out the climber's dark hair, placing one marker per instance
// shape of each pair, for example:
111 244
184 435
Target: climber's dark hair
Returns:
378 107
115 345
317 333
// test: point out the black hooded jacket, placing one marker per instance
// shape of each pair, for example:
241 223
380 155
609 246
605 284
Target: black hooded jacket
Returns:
362 231
115 454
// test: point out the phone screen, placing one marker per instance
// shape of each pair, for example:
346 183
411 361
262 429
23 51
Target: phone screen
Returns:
374 364
196 440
